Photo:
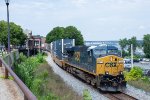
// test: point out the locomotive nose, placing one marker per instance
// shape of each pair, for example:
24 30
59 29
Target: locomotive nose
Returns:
110 65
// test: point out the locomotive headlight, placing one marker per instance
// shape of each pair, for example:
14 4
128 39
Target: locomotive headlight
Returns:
121 72
106 73
121 62
100 62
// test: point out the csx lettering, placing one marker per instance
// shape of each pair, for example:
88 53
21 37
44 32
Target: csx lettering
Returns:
110 64
77 56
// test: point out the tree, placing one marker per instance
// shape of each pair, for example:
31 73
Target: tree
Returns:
17 37
55 34
123 43
146 45
133 41
69 32
72 32
3 32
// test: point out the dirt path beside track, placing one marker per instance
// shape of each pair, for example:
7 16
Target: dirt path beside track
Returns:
9 90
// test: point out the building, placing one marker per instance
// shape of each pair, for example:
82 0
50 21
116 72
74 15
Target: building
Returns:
44 44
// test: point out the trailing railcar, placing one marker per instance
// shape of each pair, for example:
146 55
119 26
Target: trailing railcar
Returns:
101 66
57 49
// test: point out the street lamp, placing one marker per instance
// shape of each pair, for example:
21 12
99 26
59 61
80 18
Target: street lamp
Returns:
7 4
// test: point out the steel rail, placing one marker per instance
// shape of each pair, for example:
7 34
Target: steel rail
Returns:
120 96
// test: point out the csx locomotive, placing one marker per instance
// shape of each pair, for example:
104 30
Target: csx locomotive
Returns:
100 66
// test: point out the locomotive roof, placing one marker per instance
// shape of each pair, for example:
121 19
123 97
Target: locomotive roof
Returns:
103 47
107 47
77 48
87 48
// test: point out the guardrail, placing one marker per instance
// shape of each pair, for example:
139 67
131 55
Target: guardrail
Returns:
28 95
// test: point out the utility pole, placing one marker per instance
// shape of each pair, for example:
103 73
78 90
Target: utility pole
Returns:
121 52
131 55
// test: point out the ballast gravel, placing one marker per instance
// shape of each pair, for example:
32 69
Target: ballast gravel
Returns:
138 93
77 85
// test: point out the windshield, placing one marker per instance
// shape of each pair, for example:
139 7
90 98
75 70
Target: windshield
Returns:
99 52
113 51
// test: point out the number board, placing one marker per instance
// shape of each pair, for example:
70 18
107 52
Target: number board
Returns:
111 64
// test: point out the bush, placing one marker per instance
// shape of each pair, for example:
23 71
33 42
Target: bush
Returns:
134 74
25 70
86 95
40 58
22 57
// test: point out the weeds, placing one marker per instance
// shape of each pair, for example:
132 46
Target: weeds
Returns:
86 95
140 84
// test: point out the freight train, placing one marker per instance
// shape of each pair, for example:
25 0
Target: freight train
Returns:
100 66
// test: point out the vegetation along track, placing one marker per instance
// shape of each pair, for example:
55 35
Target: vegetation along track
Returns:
119 96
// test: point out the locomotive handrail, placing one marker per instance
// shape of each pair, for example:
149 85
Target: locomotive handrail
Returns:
28 95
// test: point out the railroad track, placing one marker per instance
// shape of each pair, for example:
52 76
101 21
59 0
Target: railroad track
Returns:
119 96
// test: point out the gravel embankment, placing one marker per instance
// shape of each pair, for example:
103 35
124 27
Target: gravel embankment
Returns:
139 94
77 85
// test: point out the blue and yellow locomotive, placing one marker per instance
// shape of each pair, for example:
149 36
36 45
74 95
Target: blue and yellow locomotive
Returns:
100 66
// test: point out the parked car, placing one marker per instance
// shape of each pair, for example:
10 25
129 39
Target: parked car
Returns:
146 72
146 59
144 62
127 64
127 61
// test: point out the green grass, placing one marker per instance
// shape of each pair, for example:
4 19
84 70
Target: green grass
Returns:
55 85
140 84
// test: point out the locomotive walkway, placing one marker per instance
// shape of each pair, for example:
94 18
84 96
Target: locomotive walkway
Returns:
9 90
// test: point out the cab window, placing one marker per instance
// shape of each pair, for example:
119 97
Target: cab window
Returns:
99 52
113 51
89 53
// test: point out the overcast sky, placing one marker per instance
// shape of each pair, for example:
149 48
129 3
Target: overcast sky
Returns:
96 19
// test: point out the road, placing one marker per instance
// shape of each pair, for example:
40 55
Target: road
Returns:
145 65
